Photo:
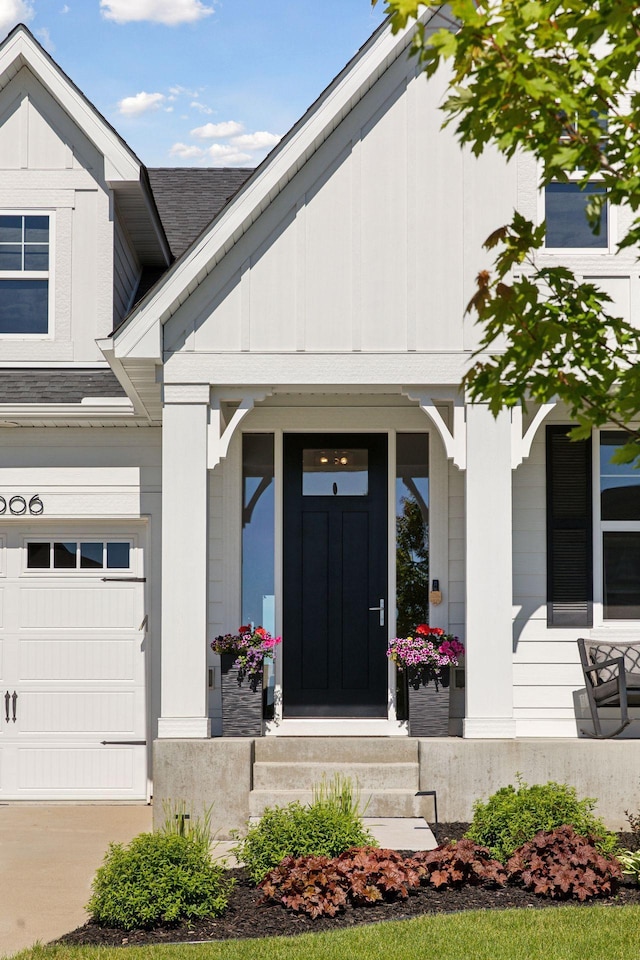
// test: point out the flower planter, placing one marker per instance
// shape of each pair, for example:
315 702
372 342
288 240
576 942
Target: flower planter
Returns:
429 709
241 706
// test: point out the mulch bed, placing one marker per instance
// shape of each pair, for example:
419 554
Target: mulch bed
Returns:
246 916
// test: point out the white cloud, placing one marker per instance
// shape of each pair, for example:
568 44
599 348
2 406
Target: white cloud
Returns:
224 155
185 152
177 91
218 131
169 12
196 105
140 103
260 140
14 11
45 39
66 8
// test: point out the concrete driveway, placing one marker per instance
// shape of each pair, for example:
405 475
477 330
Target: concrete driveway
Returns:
48 856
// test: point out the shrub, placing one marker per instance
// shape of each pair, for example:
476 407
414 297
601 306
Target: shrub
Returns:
561 864
319 886
311 885
157 878
512 816
455 864
331 824
373 875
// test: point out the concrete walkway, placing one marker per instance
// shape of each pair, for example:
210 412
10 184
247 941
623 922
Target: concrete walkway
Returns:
49 854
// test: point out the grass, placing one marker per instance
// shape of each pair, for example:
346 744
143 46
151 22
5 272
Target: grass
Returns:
563 933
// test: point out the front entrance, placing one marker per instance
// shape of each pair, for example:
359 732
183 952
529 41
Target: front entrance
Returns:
335 575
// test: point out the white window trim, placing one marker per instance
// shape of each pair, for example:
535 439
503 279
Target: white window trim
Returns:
599 527
612 228
35 274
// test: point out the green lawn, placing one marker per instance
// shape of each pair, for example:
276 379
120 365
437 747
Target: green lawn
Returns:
566 933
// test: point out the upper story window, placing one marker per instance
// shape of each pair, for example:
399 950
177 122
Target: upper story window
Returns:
566 217
24 274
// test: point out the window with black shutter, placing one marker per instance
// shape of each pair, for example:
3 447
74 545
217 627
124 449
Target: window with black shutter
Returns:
569 530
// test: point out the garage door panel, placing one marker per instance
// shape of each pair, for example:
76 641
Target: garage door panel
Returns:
85 658
62 608
74 770
101 713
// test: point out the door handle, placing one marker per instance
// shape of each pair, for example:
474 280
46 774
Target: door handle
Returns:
7 701
380 609
15 700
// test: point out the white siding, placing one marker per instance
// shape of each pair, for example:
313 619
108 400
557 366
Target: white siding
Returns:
126 272
48 165
365 249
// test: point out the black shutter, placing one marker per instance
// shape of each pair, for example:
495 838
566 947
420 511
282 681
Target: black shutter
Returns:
569 530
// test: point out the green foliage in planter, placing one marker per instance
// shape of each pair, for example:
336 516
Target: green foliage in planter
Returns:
511 816
328 826
158 878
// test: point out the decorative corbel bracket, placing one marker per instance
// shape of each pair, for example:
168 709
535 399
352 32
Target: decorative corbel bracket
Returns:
521 443
455 443
223 424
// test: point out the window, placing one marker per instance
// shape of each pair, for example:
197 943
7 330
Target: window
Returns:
593 530
78 555
619 531
566 217
24 274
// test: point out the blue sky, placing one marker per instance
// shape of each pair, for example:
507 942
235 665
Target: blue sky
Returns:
198 82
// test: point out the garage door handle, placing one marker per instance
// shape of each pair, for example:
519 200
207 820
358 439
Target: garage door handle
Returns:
15 700
7 701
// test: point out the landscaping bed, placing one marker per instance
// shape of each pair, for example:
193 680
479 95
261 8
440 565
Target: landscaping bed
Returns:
247 916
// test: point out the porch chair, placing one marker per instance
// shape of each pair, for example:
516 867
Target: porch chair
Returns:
612 679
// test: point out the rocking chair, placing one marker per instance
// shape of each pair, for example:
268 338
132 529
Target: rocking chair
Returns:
612 679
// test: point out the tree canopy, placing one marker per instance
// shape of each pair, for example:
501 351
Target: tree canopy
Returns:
560 81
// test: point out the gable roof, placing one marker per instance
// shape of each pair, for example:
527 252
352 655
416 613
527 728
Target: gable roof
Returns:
123 171
140 335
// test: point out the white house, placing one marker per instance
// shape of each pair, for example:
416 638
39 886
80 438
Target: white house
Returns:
181 351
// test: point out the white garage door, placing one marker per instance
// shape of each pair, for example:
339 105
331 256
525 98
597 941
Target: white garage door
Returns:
72 664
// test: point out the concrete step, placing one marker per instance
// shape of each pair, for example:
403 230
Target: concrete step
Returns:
364 776
377 803
336 749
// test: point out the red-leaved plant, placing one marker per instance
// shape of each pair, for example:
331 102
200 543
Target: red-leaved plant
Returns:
455 864
561 864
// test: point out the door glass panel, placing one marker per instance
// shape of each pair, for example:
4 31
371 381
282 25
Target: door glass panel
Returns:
38 556
91 556
64 556
335 473
619 482
258 543
621 587
118 556
412 531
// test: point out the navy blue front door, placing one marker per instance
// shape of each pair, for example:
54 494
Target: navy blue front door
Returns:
335 570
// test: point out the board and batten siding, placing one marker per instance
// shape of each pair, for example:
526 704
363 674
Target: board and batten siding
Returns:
126 272
48 165
373 246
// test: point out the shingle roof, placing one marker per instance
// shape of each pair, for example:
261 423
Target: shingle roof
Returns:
188 198
56 386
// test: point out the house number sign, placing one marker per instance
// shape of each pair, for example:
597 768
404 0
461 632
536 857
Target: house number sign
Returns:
19 506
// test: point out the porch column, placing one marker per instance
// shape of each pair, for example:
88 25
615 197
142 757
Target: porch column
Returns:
184 702
489 644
